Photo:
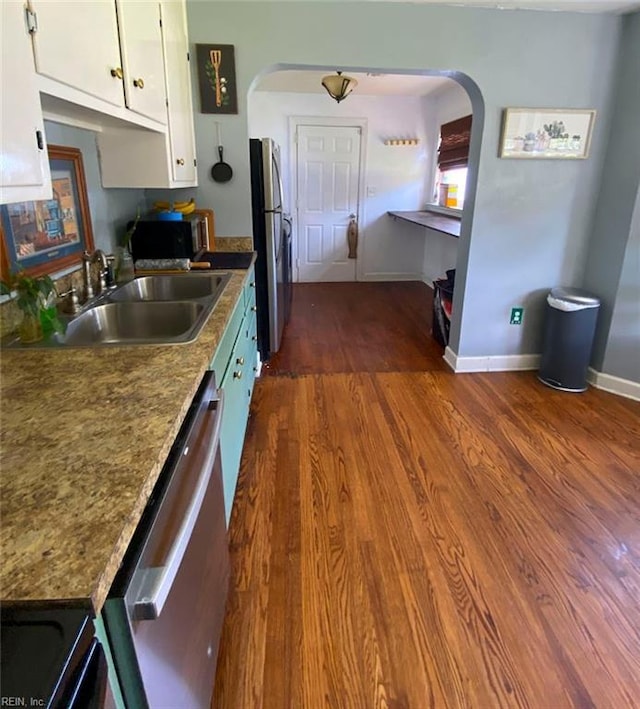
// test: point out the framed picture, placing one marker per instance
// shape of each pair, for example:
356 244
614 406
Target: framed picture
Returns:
546 133
217 78
48 235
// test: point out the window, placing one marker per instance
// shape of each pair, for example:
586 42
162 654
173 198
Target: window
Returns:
451 187
453 156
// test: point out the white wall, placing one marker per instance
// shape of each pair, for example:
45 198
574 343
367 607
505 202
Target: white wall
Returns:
446 104
393 179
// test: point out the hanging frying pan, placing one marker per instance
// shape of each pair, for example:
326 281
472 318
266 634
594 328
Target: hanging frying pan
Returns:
221 171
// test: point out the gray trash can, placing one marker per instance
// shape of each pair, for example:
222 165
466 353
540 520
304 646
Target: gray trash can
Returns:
569 327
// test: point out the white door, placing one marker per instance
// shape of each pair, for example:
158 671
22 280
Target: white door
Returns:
328 173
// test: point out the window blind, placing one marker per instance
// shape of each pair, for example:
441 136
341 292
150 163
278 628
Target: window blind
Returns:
455 137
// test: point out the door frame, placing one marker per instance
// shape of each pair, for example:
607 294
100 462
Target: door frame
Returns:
328 121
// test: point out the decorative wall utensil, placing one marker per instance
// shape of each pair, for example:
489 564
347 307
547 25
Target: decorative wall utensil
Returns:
546 133
217 78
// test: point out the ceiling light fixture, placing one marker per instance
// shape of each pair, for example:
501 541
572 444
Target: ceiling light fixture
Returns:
339 86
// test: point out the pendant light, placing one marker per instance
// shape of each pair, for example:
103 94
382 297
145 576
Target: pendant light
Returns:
339 86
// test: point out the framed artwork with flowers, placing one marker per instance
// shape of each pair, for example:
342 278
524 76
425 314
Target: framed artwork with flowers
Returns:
557 133
217 78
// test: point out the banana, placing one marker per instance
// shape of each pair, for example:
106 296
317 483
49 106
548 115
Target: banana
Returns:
183 207
188 209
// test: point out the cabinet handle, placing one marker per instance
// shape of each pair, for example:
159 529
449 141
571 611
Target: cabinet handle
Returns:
240 361
252 284
254 308
254 338
180 161
138 83
117 73
237 375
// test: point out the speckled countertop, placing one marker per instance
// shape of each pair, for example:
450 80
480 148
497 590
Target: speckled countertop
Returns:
85 433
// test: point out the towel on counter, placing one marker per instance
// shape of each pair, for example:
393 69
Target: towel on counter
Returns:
162 264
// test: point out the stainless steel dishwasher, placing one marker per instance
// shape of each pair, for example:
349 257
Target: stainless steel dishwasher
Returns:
165 611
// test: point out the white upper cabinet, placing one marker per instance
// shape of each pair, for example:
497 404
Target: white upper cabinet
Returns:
24 164
76 44
141 158
142 58
103 56
180 105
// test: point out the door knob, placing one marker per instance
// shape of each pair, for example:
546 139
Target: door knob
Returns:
352 216
180 161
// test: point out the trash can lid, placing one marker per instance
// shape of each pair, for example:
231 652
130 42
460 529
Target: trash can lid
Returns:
575 296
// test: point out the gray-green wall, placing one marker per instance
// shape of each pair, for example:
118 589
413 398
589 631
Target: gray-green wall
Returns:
613 265
110 209
532 220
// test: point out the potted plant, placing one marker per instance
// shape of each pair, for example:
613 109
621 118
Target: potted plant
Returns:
124 262
34 298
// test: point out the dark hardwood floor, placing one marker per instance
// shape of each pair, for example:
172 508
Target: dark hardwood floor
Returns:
412 539
359 327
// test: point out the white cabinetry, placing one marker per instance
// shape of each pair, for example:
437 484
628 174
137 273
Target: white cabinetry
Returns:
138 158
76 44
142 59
24 165
180 105
102 55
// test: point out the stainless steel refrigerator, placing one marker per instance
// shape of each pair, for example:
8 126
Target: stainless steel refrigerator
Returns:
271 234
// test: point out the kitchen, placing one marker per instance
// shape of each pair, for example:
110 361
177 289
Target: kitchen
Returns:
231 207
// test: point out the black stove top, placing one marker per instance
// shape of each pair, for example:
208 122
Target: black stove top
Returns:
226 259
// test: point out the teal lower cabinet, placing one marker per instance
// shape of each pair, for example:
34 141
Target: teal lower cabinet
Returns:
114 690
235 364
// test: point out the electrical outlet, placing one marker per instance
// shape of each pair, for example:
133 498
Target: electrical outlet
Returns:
516 316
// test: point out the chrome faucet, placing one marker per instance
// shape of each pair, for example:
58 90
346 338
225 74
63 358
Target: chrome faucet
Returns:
87 260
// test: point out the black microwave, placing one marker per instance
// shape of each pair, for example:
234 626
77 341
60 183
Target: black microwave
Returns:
154 238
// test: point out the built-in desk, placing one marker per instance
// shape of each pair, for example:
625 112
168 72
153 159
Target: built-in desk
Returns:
431 220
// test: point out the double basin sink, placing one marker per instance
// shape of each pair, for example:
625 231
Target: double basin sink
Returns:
163 309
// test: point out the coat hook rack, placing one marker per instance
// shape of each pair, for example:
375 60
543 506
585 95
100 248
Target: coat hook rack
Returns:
401 141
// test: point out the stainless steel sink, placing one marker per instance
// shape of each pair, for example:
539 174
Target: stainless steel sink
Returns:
135 323
171 287
152 310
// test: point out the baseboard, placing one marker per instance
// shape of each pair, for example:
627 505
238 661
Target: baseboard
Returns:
614 385
393 277
498 363
513 363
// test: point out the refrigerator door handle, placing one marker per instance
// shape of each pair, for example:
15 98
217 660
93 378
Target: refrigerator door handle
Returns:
276 170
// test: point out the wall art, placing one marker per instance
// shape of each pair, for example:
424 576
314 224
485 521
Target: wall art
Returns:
44 236
546 133
217 78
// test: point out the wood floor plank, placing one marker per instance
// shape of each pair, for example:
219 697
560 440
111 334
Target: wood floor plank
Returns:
410 539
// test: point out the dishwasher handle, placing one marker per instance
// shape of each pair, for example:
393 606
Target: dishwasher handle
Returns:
157 582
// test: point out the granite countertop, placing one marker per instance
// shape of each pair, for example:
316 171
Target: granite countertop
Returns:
85 433
438 222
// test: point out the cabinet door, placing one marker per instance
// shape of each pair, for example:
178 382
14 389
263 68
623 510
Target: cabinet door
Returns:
178 85
143 63
24 165
76 43
234 423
